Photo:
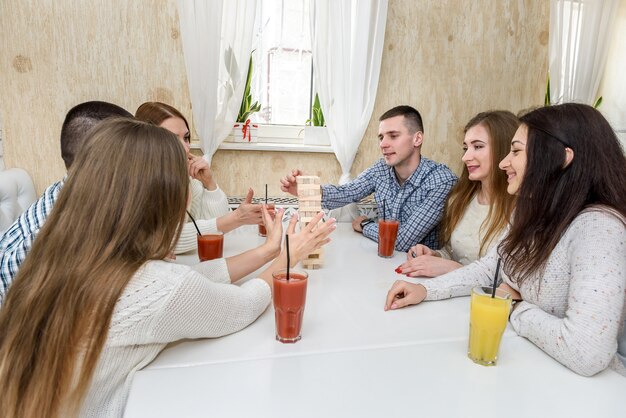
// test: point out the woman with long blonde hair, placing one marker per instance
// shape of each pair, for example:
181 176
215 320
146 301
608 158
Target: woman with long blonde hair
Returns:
478 207
95 301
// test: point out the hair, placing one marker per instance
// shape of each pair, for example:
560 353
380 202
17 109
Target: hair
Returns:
123 203
553 193
79 121
501 126
157 112
412 118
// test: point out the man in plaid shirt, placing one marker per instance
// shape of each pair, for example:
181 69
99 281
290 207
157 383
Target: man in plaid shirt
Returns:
413 188
18 239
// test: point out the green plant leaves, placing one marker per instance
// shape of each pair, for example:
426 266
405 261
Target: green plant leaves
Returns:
317 116
247 108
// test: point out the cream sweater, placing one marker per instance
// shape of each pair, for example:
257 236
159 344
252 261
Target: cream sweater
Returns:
166 302
574 310
464 244
205 207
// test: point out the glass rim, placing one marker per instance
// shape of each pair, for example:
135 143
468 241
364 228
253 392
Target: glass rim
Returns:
284 271
486 291
218 233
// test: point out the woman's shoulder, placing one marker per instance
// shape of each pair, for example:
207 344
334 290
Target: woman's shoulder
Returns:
157 274
600 214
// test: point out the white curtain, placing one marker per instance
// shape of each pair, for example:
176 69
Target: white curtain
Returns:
217 41
580 31
347 43
613 86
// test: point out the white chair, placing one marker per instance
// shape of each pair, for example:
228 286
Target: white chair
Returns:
17 193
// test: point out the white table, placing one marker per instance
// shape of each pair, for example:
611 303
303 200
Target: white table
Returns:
354 359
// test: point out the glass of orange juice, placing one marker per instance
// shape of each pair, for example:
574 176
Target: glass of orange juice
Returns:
488 319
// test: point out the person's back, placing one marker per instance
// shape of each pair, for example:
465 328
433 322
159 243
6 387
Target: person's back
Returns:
18 239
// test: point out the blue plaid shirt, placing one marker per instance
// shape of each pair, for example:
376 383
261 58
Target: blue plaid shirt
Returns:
418 203
18 239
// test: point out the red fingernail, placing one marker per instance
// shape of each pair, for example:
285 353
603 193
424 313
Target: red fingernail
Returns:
398 270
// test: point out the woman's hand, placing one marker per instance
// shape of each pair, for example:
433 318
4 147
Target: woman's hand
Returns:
274 228
404 294
427 266
309 238
249 213
199 169
419 249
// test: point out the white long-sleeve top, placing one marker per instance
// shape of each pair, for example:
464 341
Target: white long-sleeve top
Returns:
574 310
166 302
464 244
205 207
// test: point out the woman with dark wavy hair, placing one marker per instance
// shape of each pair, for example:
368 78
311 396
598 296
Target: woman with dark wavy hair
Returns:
564 256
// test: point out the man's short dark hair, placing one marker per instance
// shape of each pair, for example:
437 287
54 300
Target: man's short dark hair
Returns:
80 120
412 118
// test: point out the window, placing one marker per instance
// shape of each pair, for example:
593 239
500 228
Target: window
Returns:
282 77
282 55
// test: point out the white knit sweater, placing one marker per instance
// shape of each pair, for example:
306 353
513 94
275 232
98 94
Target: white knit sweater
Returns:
205 207
464 244
166 302
574 310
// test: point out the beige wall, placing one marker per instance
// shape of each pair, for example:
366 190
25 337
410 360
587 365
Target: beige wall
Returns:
448 58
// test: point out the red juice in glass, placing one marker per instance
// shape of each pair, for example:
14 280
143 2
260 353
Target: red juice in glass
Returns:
271 208
387 233
210 246
289 300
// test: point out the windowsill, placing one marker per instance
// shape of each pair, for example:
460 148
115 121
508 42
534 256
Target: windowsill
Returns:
274 146
280 138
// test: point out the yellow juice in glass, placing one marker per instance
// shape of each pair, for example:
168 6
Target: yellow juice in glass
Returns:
488 319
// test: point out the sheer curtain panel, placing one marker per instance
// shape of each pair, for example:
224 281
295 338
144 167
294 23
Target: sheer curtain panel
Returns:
217 41
347 44
580 32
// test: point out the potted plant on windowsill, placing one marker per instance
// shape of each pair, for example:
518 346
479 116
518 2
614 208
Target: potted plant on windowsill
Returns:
315 131
244 130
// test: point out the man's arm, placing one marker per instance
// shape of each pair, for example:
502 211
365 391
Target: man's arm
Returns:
18 239
337 196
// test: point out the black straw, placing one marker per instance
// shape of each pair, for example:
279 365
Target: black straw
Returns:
495 278
194 223
288 259
384 208
266 193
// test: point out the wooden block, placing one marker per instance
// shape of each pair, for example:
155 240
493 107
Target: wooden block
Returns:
314 209
308 188
311 265
310 198
307 180
308 193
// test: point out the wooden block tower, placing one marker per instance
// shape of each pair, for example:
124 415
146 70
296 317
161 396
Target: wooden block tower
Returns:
309 205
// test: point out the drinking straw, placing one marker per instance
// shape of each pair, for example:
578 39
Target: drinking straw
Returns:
288 259
194 223
495 279
384 208
266 193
